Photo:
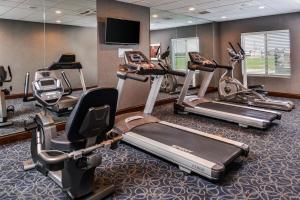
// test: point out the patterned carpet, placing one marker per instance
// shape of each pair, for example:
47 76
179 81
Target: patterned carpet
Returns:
272 170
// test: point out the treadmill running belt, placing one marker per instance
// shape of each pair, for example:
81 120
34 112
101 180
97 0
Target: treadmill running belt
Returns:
239 111
203 147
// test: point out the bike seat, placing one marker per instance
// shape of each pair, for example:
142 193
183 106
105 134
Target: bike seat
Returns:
62 143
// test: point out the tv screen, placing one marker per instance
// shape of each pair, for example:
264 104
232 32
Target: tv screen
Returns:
119 31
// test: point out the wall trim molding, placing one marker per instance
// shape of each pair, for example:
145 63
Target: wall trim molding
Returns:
27 135
21 95
284 95
7 139
270 93
61 126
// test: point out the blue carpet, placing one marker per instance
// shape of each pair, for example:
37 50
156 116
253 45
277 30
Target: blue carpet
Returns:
272 170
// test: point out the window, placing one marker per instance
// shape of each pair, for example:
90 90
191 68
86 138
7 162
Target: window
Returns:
180 49
267 53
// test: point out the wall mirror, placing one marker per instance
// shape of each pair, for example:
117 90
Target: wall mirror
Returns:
22 49
34 34
172 37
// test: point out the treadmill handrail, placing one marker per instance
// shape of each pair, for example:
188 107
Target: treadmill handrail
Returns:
26 97
127 75
69 87
10 75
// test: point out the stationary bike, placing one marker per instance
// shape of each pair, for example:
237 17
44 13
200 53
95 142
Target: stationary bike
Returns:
232 90
169 83
68 157
3 109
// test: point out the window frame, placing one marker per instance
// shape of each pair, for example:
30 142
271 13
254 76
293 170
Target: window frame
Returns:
173 54
265 33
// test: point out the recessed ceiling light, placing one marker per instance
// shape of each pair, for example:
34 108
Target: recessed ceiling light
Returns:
58 12
155 16
58 21
192 9
224 17
189 21
261 7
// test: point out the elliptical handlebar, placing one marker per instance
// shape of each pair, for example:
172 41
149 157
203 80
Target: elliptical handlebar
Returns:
234 54
241 49
165 54
232 47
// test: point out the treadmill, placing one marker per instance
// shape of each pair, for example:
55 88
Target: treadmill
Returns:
243 115
192 150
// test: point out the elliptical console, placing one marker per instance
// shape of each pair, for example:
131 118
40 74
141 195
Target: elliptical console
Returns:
47 89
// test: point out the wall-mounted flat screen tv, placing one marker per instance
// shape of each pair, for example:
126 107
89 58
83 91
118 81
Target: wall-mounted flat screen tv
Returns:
119 31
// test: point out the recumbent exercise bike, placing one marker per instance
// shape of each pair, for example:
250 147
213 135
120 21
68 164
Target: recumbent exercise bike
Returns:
68 157
3 92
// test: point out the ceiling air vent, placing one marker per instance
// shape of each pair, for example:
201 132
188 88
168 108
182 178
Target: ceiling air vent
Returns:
204 12
87 12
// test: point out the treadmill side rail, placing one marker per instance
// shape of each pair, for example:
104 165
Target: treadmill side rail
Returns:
243 121
185 160
252 108
242 146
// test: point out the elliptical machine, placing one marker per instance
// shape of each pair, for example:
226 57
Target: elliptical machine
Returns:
67 102
3 109
232 90
169 83
55 107
68 157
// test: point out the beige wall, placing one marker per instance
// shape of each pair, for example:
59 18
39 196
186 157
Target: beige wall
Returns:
231 31
135 93
22 47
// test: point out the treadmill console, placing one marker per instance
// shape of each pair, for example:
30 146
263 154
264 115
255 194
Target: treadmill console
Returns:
137 60
47 89
196 58
198 62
